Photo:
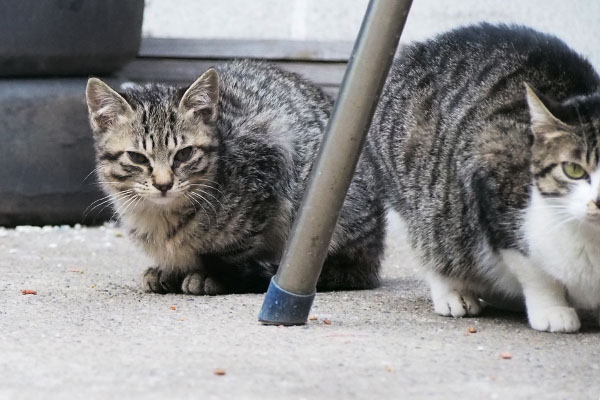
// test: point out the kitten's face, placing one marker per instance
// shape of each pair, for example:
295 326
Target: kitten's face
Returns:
566 157
155 147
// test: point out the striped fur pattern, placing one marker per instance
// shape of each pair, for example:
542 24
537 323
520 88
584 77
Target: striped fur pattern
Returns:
208 179
474 138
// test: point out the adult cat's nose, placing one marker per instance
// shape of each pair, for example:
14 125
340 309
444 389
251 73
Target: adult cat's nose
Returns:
163 187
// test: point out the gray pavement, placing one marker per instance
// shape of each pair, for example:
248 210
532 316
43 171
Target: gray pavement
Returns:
91 333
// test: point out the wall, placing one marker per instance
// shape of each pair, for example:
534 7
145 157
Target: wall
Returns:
575 21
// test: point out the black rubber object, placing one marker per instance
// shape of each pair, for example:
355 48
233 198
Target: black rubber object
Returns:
68 37
46 151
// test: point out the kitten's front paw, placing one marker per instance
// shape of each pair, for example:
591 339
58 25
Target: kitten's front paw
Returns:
197 284
554 319
156 281
457 304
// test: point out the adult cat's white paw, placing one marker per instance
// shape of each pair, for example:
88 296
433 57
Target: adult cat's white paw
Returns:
197 284
456 304
554 319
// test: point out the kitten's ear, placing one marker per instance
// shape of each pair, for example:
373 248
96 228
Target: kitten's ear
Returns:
544 124
106 107
200 99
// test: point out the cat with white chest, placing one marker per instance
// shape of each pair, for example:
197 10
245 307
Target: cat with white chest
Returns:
487 142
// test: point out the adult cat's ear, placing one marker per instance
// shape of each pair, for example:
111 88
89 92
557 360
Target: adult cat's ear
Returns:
200 99
544 124
106 107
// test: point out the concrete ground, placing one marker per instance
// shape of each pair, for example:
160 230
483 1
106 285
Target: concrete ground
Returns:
91 333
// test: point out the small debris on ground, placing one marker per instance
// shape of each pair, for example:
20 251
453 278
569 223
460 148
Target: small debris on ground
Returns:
28 291
173 308
219 371
389 368
472 329
327 322
506 356
312 318
78 271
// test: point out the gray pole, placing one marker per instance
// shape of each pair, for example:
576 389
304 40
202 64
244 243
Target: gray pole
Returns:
292 290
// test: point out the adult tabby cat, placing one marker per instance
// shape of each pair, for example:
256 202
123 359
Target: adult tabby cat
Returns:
487 142
208 179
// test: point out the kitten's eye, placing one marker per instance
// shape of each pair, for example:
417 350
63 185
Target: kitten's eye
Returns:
137 158
574 171
184 154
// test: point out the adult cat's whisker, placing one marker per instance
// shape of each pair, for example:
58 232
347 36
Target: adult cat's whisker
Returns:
549 207
553 226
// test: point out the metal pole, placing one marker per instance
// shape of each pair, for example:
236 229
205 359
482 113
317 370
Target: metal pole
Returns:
292 290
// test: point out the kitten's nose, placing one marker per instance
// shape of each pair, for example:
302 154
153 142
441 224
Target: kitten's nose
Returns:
163 187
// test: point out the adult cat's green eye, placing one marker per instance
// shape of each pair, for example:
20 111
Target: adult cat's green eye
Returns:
574 171
183 154
137 157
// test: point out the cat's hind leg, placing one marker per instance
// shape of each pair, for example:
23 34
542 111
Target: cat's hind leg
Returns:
451 297
354 257
351 269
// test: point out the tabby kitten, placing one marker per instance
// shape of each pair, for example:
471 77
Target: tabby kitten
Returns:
208 179
487 142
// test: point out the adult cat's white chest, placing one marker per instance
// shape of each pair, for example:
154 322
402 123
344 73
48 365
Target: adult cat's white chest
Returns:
567 249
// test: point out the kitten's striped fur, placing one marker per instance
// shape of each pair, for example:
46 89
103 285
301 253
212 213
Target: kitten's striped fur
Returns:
254 130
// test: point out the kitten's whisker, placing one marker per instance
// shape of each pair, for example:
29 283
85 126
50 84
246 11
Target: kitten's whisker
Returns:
105 199
112 194
125 205
203 181
203 209
188 199
140 198
135 199
208 186
211 195
199 196
88 175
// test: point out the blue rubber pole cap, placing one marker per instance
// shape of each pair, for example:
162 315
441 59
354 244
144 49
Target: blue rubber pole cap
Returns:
281 307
